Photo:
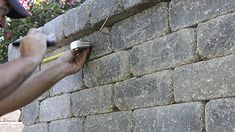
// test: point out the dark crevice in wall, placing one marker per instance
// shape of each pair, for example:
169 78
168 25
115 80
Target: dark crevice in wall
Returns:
116 109
173 87
170 30
83 124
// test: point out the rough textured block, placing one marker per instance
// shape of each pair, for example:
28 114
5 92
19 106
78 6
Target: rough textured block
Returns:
163 53
108 69
150 90
140 27
114 122
220 115
11 127
92 101
68 125
130 4
100 10
42 127
54 108
68 84
54 28
216 37
186 117
205 80
184 13
11 117
13 52
77 19
101 43
30 113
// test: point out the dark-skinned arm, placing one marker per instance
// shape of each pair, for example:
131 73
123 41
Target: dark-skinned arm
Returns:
14 73
67 64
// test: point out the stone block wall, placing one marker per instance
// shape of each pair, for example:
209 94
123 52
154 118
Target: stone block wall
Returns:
11 122
156 66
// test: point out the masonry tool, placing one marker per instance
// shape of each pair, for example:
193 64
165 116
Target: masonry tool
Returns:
76 46
49 43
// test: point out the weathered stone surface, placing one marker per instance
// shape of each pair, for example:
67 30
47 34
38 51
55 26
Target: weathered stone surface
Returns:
68 84
130 4
108 69
220 115
68 125
163 53
101 43
93 101
216 37
54 28
205 80
11 117
114 122
42 127
150 90
77 19
30 113
146 25
11 126
100 10
186 117
184 13
54 108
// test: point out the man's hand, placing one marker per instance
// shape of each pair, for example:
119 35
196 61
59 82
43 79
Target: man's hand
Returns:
33 46
73 62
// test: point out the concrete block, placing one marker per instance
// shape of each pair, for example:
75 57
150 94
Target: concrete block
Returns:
93 101
185 13
141 27
186 117
42 127
150 90
108 69
58 107
101 43
135 4
216 37
67 125
11 117
113 122
77 19
54 28
30 113
220 115
68 84
163 53
205 80
100 10
11 126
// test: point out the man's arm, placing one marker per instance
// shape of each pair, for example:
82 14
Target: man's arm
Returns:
13 74
42 81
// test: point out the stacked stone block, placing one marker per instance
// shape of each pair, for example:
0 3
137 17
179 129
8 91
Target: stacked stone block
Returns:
11 122
158 65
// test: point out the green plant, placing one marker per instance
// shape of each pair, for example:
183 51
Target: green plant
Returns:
42 13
